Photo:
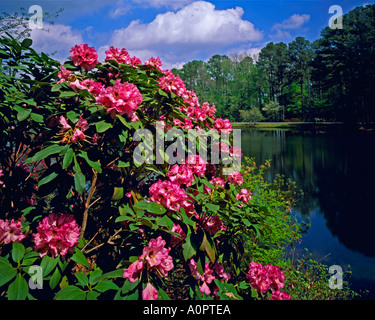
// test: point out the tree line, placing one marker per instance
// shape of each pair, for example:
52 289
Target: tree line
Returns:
330 79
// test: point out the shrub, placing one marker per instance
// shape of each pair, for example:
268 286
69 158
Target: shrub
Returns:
252 115
91 205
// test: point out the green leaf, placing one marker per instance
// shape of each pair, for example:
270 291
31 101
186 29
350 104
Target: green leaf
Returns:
7 272
80 258
102 126
18 251
23 113
124 218
26 43
95 276
70 293
93 164
67 94
212 207
208 246
47 179
72 116
129 286
106 285
150 207
83 280
18 289
79 182
164 221
48 264
68 158
92 295
188 250
37 117
118 193
55 148
55 279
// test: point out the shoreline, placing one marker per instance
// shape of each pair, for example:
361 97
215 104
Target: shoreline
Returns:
295 125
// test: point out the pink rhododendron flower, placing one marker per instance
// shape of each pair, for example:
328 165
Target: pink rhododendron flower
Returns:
177 240
156 62
64 74
132 273
213 225
217 181
223 124
88 84
187 124
155 257
121 56
235 178
56 234
158 257
64 123
84 56
181 175
171 196
149 293
1 174
279 295
219 270
244 195
197 164
172 83
209 111
276 276
122 98
10 231
78 135
235 152
191 99
263 278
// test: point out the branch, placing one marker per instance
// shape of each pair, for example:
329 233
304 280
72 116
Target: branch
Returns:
87 204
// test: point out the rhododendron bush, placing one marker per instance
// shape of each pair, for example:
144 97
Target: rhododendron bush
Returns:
98 224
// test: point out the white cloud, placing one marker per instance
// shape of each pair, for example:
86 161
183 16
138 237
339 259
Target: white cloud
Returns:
282 30
60 39
293 22
177 36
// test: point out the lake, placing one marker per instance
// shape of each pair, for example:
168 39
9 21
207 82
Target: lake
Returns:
335 169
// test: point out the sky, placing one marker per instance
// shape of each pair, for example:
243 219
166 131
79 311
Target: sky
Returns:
178 31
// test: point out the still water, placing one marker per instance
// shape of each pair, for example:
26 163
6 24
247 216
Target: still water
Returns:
336 171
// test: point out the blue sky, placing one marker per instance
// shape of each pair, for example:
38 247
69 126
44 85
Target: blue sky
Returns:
181 30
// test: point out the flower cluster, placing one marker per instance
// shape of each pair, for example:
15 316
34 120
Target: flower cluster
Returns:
171 196
244 195
10 231
84 56
217 272
155 257
213 224
264 278
56 234
73 135
235 178
121 56
172 83
121 98
223 125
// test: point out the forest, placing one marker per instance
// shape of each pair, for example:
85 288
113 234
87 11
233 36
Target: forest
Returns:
329 79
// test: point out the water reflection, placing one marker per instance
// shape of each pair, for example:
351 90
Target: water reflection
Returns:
336 171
